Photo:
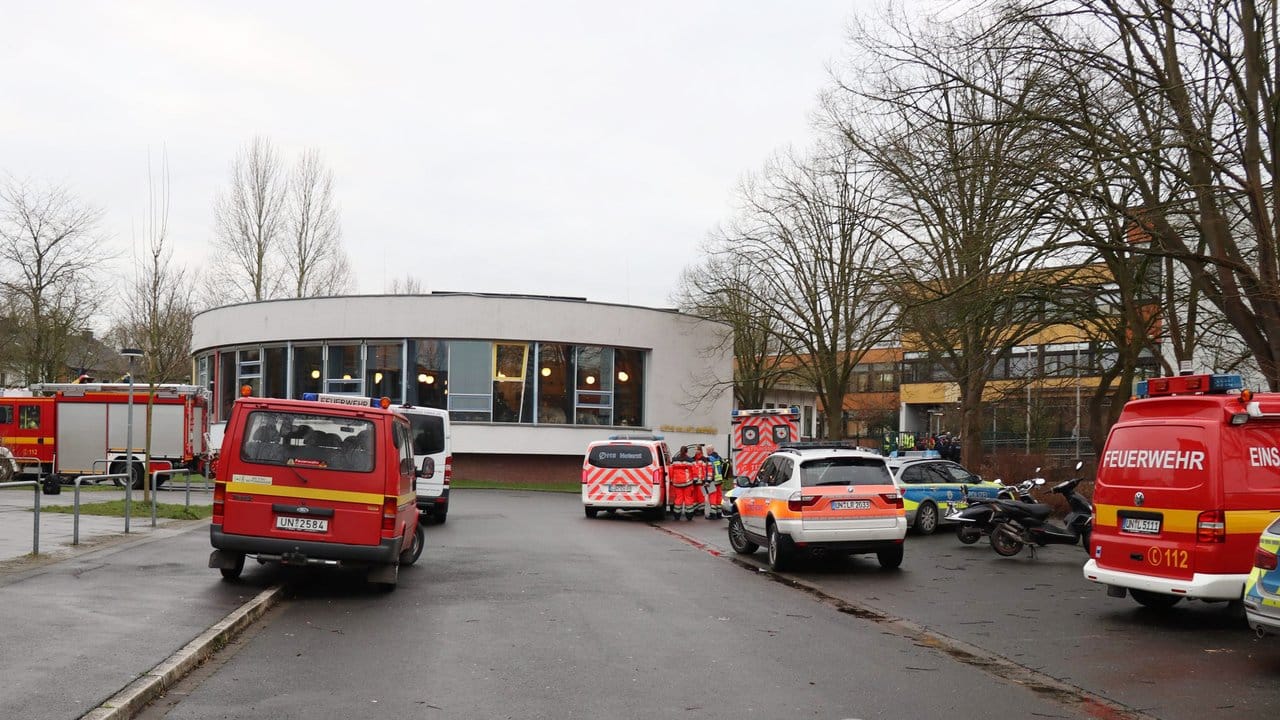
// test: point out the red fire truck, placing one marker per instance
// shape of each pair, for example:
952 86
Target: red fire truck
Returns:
756 433
81 429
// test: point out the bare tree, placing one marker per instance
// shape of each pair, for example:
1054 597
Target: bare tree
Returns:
52 252
158 306
407 285
250 223
967 195
810 238
317 263
722 290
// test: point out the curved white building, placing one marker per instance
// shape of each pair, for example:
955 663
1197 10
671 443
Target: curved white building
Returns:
527 380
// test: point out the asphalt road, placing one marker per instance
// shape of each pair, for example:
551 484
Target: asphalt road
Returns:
523 608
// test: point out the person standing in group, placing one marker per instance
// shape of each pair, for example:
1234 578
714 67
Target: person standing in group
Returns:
681 456
683 487
701 468
714 496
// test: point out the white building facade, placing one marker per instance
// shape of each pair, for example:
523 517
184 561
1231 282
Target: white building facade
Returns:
521 376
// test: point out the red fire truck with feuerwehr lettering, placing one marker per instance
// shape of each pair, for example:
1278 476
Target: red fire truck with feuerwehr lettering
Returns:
72 429
756 433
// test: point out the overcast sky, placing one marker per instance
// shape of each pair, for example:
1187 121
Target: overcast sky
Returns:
568 148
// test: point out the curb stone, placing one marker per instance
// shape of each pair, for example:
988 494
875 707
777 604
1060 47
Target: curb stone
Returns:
152 684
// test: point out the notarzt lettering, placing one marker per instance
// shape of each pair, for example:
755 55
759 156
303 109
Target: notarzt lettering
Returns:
1155 459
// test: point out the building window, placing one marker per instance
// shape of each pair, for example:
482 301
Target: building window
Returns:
628 390
593 404
204 376
382 375
470 388
250 371
308 370
342 370
275 372
429 384
512 384
228 389
555 378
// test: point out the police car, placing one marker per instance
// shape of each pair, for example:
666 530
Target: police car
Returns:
1262 589
932 487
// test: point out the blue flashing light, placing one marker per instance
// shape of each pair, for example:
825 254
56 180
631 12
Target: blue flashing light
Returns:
795 409
1223 383
311 396
1141 389
734 413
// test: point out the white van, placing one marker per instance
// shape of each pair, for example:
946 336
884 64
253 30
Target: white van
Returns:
431 439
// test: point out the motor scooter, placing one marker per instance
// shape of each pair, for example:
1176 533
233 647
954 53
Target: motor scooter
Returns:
1015 524
973 521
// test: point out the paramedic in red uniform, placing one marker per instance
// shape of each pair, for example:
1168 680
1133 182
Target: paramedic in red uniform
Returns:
714 498
682 488
701 470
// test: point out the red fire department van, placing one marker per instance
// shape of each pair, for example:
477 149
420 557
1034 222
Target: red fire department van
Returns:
626 472
311 483
1188 479
757 433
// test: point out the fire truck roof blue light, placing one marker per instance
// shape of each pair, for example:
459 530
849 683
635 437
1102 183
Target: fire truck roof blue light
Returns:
1188 384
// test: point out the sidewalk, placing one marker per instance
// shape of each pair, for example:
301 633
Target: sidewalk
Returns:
16 520
82 623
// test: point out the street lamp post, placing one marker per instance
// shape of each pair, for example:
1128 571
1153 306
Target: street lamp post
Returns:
130 353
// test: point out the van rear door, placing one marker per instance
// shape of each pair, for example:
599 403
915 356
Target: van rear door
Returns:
306 476
622 475
1153 484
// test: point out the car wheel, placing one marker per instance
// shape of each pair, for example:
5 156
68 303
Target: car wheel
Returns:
1004 542
927 518
1154 600
738 538
591 512
968 534
780 550
890 558
410 556
657 514
233 572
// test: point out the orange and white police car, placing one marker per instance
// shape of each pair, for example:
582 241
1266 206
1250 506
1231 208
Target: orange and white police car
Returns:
626 472
828 499
1188 479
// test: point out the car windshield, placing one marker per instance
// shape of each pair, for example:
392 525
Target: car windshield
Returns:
844 471
312 441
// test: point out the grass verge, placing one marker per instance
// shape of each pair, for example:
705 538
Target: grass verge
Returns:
564 487
115 508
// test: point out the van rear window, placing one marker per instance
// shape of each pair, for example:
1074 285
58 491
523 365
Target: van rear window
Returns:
312 441
844 471
620 456
428 433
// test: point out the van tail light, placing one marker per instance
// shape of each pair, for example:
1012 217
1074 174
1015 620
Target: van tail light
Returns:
390 504
1264 559
219 501
798 502
448 468
1211 527
894 500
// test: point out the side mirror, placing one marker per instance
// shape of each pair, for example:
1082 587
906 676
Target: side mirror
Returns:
428 468
742 481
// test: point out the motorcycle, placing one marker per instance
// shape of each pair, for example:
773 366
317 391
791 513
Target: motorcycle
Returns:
1015 524
973 522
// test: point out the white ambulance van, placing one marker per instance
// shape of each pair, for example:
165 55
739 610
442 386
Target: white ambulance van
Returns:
626 472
